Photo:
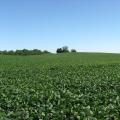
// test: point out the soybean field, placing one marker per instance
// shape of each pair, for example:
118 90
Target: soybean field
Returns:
73 86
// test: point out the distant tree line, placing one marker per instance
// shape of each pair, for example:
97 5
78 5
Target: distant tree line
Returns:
65 50
24 52
36 51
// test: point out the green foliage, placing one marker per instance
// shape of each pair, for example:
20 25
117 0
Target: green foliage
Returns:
63 50
24 52
59 50
60 87
73 51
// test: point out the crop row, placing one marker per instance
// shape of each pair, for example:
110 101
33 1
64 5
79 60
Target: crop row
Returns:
60 93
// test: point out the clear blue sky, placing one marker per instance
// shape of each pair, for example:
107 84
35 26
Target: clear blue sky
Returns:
86 25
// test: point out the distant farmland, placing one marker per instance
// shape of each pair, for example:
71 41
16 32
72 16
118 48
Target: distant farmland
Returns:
72 86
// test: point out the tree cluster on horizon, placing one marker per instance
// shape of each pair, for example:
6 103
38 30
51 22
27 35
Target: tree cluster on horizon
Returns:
35 51
65 50
24 52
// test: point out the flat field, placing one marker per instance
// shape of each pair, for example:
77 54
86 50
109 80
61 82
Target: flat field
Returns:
79 86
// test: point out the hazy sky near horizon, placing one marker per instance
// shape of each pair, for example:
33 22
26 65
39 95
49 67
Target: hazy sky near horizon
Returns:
86 25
